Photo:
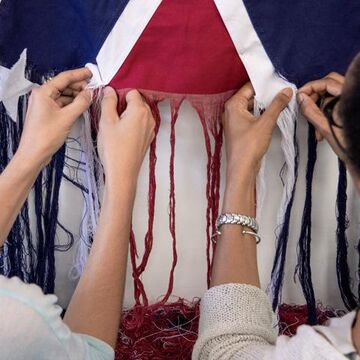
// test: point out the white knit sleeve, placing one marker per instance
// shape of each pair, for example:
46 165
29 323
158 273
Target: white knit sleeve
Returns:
234 317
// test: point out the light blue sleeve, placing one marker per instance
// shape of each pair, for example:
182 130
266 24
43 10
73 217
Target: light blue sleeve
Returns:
96 349
93 349
32 328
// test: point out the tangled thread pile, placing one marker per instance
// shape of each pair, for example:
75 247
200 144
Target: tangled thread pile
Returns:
169 331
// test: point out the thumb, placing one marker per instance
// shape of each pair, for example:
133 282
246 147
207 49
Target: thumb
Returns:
319 136
80 104
134 97
279 103
311 111
109 104
134 101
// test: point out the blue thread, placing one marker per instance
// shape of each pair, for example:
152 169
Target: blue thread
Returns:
277 272
303 267
342 267
20 255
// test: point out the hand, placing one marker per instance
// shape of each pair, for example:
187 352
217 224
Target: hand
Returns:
248 137
310 94
52 111
123 140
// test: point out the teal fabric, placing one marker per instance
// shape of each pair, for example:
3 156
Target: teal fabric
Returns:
32 328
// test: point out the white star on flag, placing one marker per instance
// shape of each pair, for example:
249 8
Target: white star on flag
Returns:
13 84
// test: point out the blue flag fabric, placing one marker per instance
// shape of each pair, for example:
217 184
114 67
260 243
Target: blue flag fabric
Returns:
59 35
305 40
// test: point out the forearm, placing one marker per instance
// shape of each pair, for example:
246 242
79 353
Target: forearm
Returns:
95 308
235 258
16 182
234 317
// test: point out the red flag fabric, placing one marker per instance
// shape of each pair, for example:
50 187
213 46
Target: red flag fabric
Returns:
190 54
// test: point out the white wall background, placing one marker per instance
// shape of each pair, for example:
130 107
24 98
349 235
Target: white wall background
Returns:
190 177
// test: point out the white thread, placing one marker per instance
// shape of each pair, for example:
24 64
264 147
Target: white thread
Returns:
92 199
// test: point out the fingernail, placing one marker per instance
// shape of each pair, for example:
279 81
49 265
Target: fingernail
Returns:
89 93
107 90
288 92
300 97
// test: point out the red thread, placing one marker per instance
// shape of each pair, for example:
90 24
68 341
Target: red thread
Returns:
215 183
210 113
170 331
175 105
208 197
149 237
293 316
139 290
210 109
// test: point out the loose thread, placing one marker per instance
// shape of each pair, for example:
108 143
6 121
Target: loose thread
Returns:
18 257
303 267
40 271
138 286
46 223
172 225
208 196
51 226
149 237
210 118
277 272
215 183
342 267
169 331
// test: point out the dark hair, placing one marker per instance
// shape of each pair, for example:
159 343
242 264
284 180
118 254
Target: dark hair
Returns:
349 112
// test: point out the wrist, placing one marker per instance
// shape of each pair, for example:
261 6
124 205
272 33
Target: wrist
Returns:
27 163
242 164
117 186
240 195
32 159
22 172
241 175
117 169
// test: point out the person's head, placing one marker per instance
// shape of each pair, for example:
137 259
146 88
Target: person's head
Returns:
348 110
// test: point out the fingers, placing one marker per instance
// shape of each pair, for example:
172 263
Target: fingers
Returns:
74 89
337 77
64 100
69 92
320 87
135 103
312 113
67 96
134 97
243 98
279 103
64 80
80 104
109 105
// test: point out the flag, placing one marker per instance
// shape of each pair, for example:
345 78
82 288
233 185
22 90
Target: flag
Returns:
200 50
